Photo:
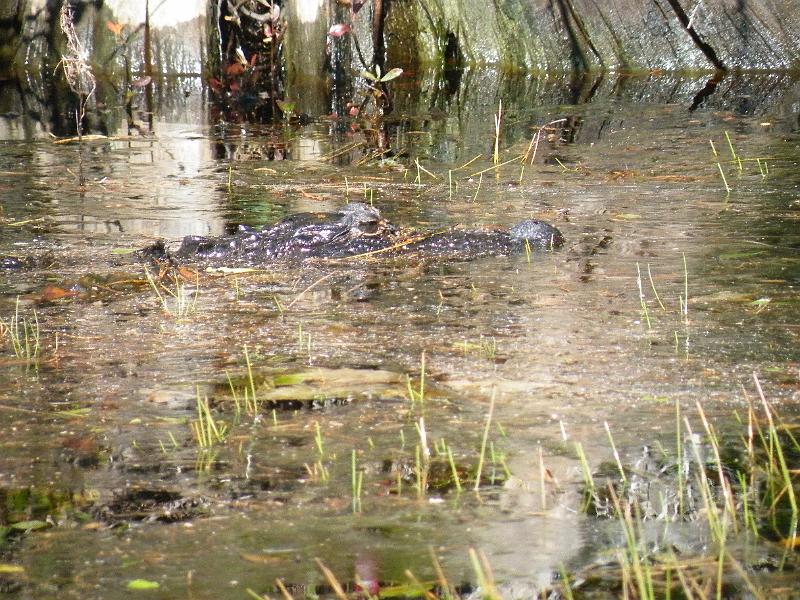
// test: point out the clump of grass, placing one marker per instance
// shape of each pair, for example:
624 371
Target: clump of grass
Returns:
485 347
23 334
716 489
207 431
648 318
318 471
176 300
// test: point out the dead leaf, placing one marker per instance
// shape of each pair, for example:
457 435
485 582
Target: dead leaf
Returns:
261 559
51 293
234 69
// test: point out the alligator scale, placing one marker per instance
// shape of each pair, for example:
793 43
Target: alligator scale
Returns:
356 229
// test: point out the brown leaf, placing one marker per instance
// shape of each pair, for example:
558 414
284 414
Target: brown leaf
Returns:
51 293
234 69
187 274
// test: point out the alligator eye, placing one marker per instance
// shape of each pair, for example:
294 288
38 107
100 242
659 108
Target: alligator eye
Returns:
370 227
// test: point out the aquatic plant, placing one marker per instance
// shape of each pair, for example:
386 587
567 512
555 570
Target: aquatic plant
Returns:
245 400
318 442
377 78
484 440
176 300
207 431
756 495
498 119
357 482
417 396
23 334
453 469
483 572
719 167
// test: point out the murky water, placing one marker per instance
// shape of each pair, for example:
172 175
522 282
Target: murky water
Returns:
97 436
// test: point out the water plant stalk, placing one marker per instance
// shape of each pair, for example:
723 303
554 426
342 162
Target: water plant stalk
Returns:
776 444
653 285
733 152
251 380
484 440
615 453
478 189
453 469
642 300
356 481
719 167
498 118
483 573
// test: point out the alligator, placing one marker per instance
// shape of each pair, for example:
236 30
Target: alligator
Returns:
356 229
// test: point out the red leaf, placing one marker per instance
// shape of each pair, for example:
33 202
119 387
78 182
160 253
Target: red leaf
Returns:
234 69
215 83
338 30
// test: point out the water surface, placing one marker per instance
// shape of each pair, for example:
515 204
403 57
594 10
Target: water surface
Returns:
559 339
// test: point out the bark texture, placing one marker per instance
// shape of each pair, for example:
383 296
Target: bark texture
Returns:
593 34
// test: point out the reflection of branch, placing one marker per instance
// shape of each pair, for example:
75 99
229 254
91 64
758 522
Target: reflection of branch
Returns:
358 50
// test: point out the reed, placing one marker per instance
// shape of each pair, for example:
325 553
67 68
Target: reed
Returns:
417 396
176 301
615 453
207 432
642 299
356 482
23 334
484 575
453 470
484 440
498 120
719 167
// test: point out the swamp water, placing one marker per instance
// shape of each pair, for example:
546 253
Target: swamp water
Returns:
358 365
